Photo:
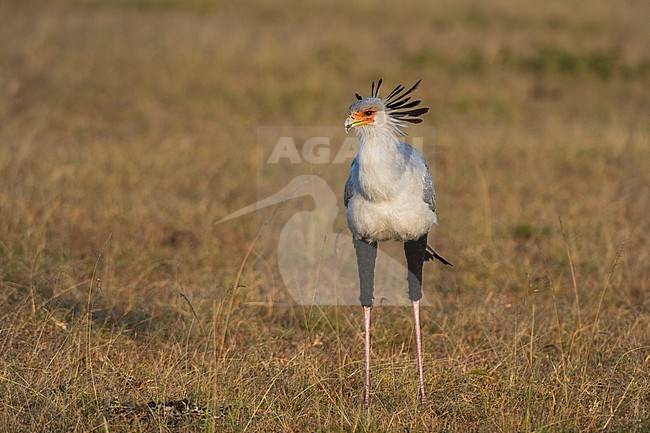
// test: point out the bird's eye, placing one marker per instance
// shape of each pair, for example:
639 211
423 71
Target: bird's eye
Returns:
368 112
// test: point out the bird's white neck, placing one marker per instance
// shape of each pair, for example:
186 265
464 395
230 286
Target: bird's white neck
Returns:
381 163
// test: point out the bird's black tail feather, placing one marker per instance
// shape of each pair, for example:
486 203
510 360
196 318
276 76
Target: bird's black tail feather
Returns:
432 255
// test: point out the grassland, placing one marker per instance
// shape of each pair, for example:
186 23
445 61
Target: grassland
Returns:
128 127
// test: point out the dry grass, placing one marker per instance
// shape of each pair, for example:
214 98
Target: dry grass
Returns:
127 129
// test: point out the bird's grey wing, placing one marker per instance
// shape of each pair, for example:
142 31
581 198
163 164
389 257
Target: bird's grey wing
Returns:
349 192
428 192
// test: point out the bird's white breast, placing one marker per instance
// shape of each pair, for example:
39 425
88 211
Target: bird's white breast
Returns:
403 216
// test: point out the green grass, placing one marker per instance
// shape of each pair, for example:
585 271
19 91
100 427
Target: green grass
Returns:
128 128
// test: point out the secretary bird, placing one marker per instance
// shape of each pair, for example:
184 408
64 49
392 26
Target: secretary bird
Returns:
388 196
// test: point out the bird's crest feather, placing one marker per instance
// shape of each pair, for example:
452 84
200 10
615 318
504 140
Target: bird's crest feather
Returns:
398 103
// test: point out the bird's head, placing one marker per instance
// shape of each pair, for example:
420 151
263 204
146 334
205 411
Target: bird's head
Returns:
369 111
391 111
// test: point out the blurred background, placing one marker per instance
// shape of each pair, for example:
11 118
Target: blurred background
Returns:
128 127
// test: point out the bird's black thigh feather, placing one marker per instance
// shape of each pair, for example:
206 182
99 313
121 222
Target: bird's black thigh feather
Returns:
366 258
415 252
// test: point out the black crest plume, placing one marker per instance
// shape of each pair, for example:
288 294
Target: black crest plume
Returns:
373 93
398 102
401 107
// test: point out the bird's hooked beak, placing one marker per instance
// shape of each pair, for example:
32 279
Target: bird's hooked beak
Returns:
352 121
349 124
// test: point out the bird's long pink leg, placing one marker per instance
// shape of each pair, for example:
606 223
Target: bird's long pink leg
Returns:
418 346
366 317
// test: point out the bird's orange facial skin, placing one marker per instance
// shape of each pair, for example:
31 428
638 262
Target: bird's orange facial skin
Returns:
363 117
360 117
